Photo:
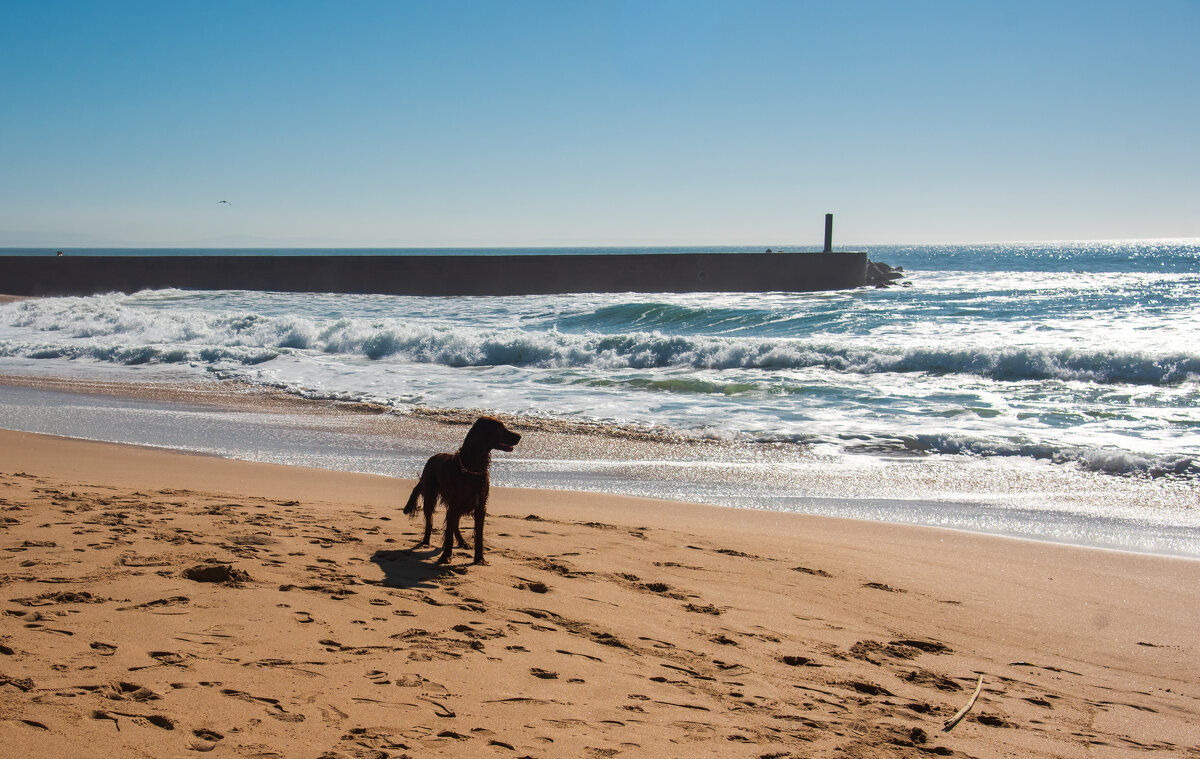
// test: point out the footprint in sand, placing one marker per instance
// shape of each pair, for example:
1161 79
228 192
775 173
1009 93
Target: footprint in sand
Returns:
162 659
660 588
23 684
813 572
159 602
217 573
275 709
479 633
866 688
928 646
205 739
883 587
104 649
925 678
123 691
378 677
61 597
409 680
992 720
166 723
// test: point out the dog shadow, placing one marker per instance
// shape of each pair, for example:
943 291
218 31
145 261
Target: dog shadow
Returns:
412 568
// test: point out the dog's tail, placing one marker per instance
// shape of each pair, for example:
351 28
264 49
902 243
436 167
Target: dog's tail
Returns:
410 508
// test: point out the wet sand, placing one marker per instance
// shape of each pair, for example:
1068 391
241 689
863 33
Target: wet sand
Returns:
1038 500
602 625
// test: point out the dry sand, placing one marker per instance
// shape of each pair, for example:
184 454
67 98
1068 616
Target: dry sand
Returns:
602 626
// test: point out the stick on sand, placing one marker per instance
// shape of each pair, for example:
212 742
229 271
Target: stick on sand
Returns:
950 723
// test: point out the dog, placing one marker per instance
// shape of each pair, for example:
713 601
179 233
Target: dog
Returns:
461 480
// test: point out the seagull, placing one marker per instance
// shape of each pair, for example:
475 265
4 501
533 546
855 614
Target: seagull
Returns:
226 202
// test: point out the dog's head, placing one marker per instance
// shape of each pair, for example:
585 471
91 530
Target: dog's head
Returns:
488 434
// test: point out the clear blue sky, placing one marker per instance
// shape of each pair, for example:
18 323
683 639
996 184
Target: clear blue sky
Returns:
596 123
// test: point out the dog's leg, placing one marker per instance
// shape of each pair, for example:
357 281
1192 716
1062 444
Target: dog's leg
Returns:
452 518
458 537
429 496
480 513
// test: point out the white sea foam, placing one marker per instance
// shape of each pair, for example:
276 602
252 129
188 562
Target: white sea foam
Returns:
109 329
1099 369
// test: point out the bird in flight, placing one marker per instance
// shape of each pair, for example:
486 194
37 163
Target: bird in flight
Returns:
226 202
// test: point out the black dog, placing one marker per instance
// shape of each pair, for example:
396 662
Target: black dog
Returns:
461 479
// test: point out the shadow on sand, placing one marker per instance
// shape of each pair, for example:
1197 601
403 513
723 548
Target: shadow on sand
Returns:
412 568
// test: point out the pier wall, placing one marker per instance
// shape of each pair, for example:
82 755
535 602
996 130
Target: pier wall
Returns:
436 275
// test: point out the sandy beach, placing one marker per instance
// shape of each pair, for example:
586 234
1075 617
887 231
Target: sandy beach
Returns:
853 349
161 604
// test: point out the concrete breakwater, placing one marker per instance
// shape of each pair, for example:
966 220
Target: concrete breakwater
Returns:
436 274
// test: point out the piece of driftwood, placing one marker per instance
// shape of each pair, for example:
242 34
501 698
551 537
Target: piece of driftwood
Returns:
949 724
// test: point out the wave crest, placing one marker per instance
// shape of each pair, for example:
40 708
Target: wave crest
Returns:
1093 459
104 329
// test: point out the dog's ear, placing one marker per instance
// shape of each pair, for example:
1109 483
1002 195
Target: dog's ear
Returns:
480 434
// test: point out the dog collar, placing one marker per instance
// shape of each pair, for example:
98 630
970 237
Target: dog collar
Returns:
462 466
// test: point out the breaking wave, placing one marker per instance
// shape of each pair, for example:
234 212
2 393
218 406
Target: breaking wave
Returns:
1093 459
104 329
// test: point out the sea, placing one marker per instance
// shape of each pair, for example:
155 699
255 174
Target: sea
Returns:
1038 390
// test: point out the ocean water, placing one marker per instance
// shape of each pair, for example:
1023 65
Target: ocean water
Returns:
1079 356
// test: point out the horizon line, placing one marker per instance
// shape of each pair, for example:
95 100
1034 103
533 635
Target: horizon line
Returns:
798 247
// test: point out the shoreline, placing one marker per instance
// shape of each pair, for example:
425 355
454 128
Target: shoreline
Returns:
239 394
600 623
630 508
1044 502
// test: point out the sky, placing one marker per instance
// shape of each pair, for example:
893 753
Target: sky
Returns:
572 123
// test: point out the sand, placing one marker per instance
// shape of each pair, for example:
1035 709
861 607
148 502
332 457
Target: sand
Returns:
159 604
